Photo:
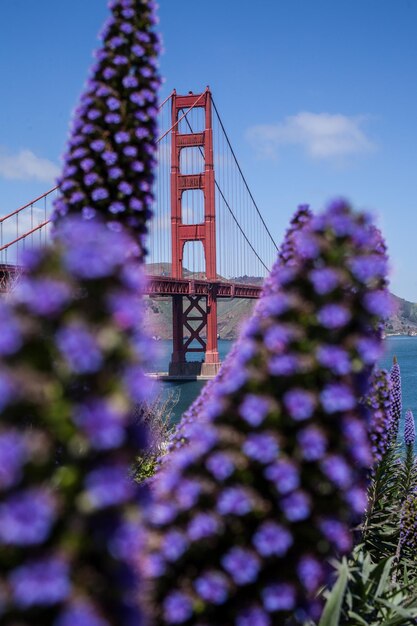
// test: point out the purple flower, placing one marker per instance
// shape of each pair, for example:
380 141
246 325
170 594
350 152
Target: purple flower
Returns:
26 517
337 470
272 538
396 399
109 157
242 565
333 316
279 597
125 188
283 365
202 525
80 613
98 145
103 425
409 428
284 474
337 397
113 104
324 280
337 533
261 447
10 336
299 403
313 443
310 572
126 542
379 303
174 545
40 583
115 172
335 358
370 350
100 193
254 616
130 81
44 296
220 465
13 454
90 179
234 501
122 137
86 165
296 506
117 207
212 587
368 267
254 409
79 348
109 485
177 608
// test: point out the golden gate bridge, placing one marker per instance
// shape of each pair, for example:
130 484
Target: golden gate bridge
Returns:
207 238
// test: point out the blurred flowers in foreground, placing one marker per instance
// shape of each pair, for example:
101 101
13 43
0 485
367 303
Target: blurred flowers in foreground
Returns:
272 480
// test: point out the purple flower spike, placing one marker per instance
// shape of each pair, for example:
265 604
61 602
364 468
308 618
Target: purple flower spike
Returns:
73 356
284 477
396 406
105 121
409 428
379 403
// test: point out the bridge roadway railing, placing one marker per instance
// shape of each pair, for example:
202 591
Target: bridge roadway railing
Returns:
167 286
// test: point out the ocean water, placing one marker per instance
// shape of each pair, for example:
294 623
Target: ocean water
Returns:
404 348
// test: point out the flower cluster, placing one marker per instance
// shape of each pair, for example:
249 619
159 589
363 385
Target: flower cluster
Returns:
409 428
108 167
379 403
72 356
395 375
70 376
408 526
245 516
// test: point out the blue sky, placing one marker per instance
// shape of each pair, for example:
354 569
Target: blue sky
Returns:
318 97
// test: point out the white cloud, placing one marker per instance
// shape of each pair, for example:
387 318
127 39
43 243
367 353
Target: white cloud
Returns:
321 135
25 165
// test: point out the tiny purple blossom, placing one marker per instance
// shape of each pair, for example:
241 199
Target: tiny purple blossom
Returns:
313 443
337 397
40 583
296 506
333 316
279 597
299 403
324 280
234 501
212 587
26 517
261 447
177 608
242 565
284 474
272 538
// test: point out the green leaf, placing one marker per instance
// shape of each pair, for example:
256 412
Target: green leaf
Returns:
333 607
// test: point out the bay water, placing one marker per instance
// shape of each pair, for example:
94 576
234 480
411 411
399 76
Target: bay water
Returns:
403 347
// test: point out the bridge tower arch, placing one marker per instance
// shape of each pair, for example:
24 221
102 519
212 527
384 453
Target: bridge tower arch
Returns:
194 315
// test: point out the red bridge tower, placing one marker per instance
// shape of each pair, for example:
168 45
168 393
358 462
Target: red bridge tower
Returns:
194 315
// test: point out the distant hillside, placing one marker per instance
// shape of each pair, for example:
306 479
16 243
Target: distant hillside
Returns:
404 319
232 314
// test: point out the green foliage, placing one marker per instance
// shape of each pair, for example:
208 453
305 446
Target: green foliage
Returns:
157 415
381 527
365 595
